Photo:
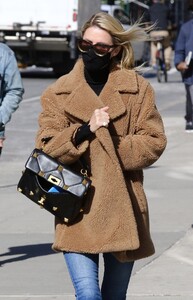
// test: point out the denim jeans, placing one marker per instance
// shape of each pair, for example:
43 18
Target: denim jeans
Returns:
84 271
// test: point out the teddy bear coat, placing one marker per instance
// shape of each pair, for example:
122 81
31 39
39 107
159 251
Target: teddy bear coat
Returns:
115 217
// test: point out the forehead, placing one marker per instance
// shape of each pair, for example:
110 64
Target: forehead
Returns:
96 35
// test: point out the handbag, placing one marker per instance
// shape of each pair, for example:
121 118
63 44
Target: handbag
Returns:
54 186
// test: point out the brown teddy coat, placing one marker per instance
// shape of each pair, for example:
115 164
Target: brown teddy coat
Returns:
115 217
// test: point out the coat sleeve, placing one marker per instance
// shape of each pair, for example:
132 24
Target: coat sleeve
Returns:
56 132
11 86
145 144
180 53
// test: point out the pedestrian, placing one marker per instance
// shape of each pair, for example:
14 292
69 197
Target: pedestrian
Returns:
159 16
183 61
105 112
11 88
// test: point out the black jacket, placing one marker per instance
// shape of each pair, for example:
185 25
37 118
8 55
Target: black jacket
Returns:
159 13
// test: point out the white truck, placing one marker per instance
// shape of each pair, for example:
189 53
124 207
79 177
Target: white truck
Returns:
43 33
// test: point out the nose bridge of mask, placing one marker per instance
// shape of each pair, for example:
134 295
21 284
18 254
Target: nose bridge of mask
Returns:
93 49
92 53
92 61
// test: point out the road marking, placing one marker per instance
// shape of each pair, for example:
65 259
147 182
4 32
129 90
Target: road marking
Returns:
31 99
171 104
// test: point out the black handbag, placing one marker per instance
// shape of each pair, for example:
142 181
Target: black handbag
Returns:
54 186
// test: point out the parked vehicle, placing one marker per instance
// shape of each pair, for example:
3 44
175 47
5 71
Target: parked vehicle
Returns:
118 12
43 33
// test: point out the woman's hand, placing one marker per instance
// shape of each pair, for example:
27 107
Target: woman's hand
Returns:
99 118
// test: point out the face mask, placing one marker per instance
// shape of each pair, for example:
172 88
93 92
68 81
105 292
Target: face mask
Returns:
94 62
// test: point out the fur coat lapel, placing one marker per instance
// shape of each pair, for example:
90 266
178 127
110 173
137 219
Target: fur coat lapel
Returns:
83 106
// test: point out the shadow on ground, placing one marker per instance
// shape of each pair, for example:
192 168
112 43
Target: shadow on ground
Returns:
20 253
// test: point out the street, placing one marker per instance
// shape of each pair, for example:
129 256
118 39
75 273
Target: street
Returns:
29 269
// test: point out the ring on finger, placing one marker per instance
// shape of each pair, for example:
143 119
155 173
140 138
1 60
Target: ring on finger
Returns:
105 124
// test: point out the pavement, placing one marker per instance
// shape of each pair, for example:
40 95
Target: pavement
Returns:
30 270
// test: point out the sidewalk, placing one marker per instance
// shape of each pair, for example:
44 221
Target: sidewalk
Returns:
30 270
167 277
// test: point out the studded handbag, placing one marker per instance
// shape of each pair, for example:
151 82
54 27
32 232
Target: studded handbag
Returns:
54 186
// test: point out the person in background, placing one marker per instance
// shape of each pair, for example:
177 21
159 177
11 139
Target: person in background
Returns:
159 16
11 88
183 60
104 112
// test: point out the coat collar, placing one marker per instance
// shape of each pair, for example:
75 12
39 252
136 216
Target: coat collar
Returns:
82 100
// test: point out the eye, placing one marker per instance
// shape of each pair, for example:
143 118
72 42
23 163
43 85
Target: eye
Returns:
102 47
84 45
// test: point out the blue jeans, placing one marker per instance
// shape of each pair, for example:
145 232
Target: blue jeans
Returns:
84 270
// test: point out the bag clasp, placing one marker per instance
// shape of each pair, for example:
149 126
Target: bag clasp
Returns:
53 179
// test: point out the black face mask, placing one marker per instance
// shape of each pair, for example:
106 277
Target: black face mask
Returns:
94 62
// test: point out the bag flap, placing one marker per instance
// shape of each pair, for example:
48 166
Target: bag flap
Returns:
57 173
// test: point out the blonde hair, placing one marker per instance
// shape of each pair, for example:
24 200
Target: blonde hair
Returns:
120 36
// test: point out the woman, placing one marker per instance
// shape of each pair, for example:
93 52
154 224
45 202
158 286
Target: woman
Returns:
104 112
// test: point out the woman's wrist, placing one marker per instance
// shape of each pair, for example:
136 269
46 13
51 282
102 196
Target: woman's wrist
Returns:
83 133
